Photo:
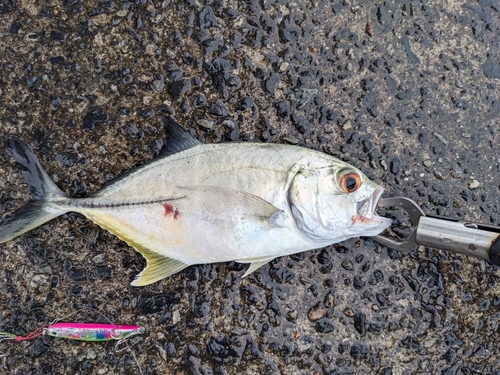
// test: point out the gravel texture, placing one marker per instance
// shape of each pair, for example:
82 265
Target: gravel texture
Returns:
408 91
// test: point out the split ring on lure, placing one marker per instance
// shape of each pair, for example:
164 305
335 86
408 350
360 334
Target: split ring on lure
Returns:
81 331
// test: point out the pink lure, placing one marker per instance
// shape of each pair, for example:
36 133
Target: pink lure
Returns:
80 331
91 331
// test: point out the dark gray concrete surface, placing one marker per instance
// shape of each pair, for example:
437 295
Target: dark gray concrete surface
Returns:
408 91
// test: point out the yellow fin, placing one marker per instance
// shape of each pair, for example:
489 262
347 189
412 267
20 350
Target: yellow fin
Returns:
157 268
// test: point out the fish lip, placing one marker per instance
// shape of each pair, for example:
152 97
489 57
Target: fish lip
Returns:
366 208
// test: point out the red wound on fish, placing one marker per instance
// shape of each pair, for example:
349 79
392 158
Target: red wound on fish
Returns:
168 209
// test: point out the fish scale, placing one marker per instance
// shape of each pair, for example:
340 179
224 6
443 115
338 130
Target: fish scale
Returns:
205 203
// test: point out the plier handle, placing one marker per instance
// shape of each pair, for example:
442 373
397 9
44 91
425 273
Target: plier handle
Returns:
462 237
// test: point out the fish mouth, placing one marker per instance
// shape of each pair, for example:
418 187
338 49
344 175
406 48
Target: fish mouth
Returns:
366 212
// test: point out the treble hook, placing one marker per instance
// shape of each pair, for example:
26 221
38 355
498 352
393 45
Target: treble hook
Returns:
138 331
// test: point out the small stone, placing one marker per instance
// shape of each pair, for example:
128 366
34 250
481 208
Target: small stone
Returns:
176 317
457 172
347 265
177 88
395 164
39 280
347 125
271 83
94 118
138 22
441 138
207 18
234 133
291 140
217 109
292 315
158 84
337 8
491 69
316 313
90 354
55 102
68 159
146 112
438 175
329 301
127 78
199 100
427 163
98 259
103 272
424 364
15 27
474 184
162 352
229 123
303 96
403 95
145 78
324 326
207 124
283 66
282 109
38 349
245 103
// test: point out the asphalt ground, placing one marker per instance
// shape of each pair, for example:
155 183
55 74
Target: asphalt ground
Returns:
406 91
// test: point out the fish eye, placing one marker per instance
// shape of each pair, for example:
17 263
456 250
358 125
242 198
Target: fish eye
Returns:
350 182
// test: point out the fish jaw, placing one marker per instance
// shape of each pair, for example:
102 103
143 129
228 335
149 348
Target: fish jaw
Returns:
366 222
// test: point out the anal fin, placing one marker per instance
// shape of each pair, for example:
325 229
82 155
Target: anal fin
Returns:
158 267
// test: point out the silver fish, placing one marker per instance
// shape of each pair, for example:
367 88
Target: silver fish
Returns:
207 203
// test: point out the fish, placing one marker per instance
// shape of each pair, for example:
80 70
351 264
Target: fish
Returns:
201 203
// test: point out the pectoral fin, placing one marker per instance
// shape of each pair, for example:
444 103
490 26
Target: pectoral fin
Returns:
158 267
254 264
246 204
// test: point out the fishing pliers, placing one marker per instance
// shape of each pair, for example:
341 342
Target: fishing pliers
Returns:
462 237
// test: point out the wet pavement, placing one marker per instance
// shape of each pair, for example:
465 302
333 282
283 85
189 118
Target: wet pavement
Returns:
406 91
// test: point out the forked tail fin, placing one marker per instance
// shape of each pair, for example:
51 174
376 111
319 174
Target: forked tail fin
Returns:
42 188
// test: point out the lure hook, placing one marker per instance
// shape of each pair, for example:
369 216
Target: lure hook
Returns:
119 349
138 331
7 336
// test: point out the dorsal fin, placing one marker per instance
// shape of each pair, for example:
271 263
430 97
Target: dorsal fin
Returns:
178 139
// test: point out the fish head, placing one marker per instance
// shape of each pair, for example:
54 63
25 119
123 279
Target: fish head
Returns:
333 203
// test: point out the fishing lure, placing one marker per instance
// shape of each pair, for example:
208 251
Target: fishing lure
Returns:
81 331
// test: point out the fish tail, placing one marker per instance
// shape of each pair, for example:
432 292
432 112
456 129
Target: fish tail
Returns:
39 210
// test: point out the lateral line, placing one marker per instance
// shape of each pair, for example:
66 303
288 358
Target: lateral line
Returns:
80 203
